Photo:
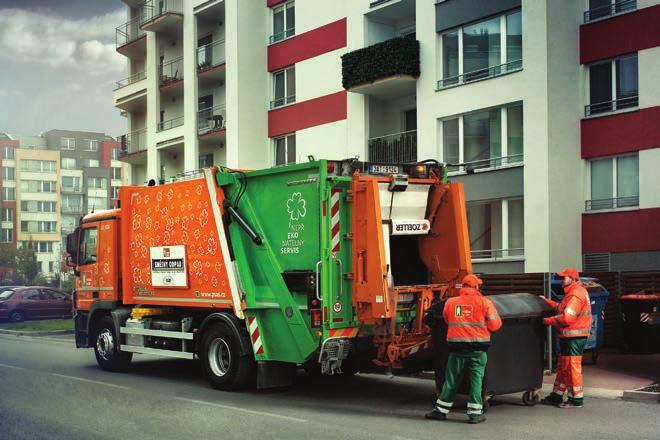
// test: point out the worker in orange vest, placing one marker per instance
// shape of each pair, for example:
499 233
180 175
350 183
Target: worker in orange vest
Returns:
470 318
573 324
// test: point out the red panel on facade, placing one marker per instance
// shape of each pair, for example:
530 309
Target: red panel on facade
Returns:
271 3
308 45
620 35
9 204
622 133
317 111
628 231
106 152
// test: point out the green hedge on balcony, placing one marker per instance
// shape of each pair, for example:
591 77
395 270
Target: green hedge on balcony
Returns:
398 56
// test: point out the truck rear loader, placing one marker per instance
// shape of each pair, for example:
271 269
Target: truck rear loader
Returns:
326 265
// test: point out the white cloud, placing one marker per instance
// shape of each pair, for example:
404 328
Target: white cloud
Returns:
36 37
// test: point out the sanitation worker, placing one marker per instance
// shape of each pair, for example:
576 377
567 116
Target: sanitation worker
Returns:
470 318
573 324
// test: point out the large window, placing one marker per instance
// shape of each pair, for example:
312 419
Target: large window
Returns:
8 152
614 182
613 85
7 214
6 235
72 203
93 163
8 194
96 203
484 139
67 143
71 183
116 173
97 182
114 154
38 166
8 173
284 87
37 186
43 247
90 145
37 206
285 149
68 163
38 226
482 50
496 229
284 22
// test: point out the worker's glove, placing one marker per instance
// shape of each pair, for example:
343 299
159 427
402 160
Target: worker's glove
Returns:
548 321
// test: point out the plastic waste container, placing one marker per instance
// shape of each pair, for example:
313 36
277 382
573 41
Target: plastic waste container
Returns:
598 296
516 354
640 316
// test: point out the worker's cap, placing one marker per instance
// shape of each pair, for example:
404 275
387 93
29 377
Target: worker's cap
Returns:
471 280
569 272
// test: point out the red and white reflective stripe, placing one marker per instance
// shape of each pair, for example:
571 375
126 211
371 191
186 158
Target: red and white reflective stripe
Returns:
334 214
255 337
644 317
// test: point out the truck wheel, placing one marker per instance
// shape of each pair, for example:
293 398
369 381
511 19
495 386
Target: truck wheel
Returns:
106 347
224 367
17 316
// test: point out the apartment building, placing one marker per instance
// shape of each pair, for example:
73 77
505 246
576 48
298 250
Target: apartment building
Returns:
545 110
48 182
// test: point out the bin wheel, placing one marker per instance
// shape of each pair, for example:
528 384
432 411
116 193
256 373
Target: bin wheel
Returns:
594 356
530 398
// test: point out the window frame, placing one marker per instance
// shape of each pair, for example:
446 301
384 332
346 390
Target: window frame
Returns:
615 184
9 217
6 171
10 235
286 149
70 143
286 33
506 253
90 145
588 109
8 153
6 190
288 98
83 246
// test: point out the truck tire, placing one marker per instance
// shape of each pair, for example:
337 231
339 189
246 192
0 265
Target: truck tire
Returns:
106 347
223 365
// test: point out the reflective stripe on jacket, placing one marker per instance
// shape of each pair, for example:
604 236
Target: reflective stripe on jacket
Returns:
470 317
574 318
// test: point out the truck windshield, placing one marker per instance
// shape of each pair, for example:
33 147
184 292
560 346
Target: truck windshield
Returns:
88 247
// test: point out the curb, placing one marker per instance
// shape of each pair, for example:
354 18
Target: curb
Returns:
641 396
35 333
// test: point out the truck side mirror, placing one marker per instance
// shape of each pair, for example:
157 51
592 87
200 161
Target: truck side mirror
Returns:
72 248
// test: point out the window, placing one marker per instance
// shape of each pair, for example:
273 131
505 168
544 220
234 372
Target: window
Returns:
37 186
614 182
87 254
484 139
31 294
6 235
8 194
285 149
67 143
7 214
205 160
37 206
95 203
8 152
72 203
97 182
38 166
115 192
90 145
482 50
43 247
8 173
116 173
68 163
92 163
114 154
284 87
605 8
38 226
613 85
53 294
284 22
496 229
71 183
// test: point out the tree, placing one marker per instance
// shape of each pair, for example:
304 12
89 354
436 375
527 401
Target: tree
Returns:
8 265
26 263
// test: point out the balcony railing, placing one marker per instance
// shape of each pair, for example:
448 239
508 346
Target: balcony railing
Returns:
611 106
171 123
211 119
278 102
171 71
619 202
476 75
394 148
132 142
211 55
609 10
497 254
286 33
128 32
130 80
489 163
398 56
153 9
72 209
71 189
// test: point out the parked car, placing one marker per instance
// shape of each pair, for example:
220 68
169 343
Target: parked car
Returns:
33 302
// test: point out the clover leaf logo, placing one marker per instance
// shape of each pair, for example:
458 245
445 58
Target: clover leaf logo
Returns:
295 206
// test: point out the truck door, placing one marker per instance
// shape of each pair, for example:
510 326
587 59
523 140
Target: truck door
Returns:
98 263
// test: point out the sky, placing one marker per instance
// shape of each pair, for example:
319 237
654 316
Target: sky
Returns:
58 66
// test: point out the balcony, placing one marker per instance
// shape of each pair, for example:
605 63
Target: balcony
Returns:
130 40
615 203
71 189
279 102
130 80
477 75
211 63
628 102
170 123
385 70
161 15
486 164
616 8
281 36
171 74
130 94
394 148
131 145
211 121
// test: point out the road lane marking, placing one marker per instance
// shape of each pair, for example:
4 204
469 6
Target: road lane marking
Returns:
97 382
13 367
249 411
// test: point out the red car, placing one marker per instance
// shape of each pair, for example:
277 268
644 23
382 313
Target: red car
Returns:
20 303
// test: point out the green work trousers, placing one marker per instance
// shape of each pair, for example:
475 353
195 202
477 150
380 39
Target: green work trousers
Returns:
474 362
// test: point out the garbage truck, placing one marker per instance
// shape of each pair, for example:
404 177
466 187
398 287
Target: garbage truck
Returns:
326 265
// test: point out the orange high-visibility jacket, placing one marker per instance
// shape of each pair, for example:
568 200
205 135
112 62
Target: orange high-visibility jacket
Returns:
574 318
470 317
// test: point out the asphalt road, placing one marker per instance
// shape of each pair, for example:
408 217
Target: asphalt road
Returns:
50 390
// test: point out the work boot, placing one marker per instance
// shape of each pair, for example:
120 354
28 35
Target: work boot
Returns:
435 415
478 419
552 400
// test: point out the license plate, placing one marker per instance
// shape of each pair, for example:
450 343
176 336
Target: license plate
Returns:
383 169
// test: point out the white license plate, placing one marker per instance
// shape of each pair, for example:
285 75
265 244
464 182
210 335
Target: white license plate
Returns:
383 169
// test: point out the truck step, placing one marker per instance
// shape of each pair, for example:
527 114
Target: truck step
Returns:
157 352
161 333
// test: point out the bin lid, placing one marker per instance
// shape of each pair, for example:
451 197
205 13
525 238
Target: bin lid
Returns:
520 305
